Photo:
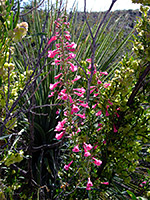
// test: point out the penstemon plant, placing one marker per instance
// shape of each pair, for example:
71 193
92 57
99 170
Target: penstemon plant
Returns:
99 126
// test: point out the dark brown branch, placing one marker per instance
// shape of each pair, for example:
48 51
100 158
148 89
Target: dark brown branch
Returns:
138 85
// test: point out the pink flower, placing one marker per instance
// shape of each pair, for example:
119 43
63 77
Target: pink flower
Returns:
82 116
52 94
88 59
75 109
71 55
76 148
105 183
66 167
70 99
85 105
99 82
92 91
94 106
88 146
99 129
53 38
99 113
107 114
88 188
110 102
64 97
97 162
117 114
76 79
82 90
104 142
89 183
51 54
106 85
79 94
118 108
58 76
96 94
115 130
72 46
59 135
104 73
53 86
60 125
67 36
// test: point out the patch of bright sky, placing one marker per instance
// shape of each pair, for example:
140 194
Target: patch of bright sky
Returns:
102 5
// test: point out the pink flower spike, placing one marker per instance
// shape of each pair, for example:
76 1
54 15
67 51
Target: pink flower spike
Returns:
59 135
81 116
115 130
97 162
58 76
66 167
105 183
76 148
99 113
88 146
53 38
89 183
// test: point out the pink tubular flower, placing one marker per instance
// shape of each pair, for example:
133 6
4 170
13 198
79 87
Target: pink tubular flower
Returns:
52 94
53 38
94 106
64 97
58 76
99 113
96 94
115 130
60 125
59 135
82 90
73 68
67 36
106 85
97 162
88 146
75 109
85 105
88 59
110 102
66 167
105 183
88 188
53 86
117 114
89 183
104 142
76 148
71 55
81 116
79 94
99 82
76 79
86 154
104 73
107 114
51 54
